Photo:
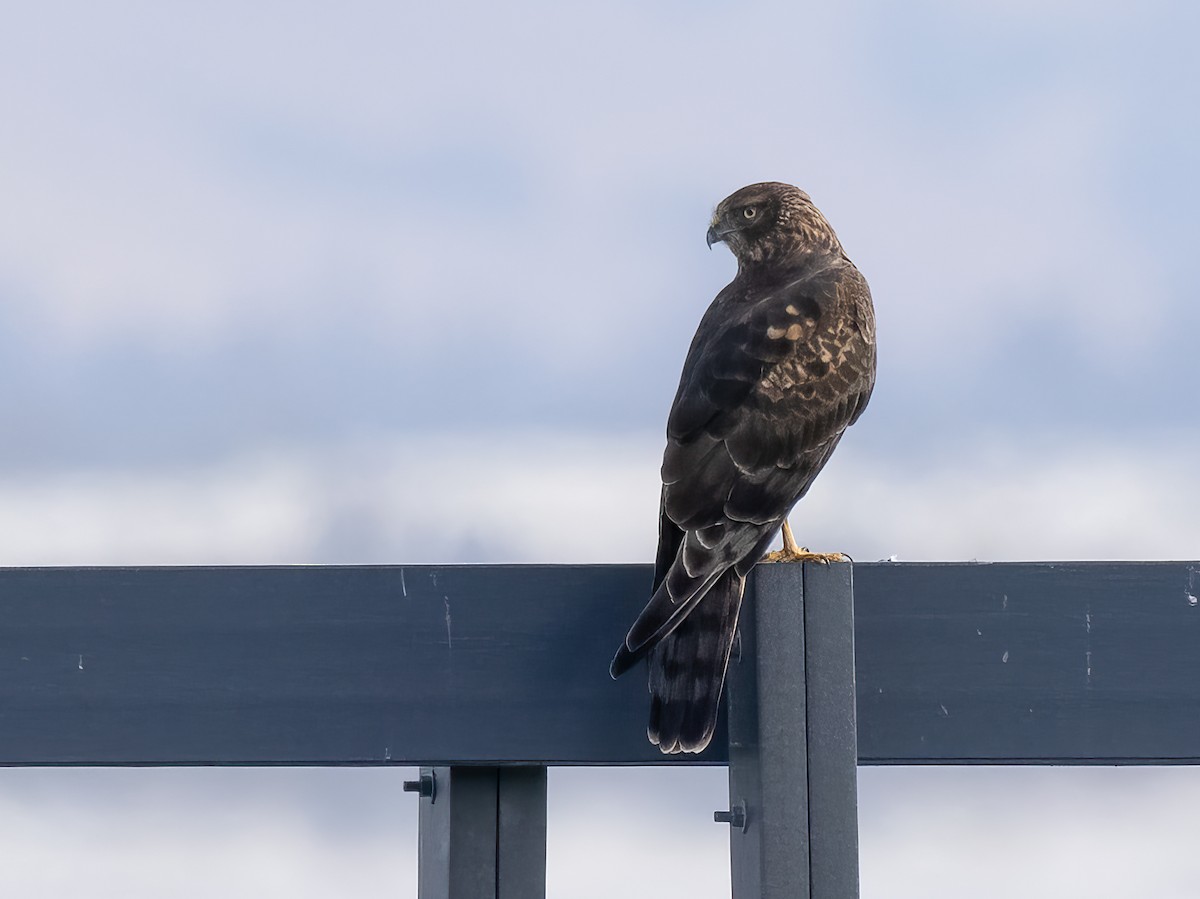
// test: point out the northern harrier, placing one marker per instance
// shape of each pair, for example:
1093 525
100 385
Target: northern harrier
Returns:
782 363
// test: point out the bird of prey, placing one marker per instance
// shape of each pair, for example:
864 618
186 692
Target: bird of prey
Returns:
782 363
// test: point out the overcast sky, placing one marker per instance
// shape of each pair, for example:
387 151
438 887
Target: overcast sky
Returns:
290 282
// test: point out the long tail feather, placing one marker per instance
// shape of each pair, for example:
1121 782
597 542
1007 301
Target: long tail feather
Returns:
687 670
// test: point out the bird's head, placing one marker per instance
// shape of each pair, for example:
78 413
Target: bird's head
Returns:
770 222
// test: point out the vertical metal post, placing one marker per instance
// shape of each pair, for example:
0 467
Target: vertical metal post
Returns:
792 742
832 734
521 833
482 833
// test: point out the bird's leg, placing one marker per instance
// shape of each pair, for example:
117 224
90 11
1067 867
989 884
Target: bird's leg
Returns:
790 546
794 552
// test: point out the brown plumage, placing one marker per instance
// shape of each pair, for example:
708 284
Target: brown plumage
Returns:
782 363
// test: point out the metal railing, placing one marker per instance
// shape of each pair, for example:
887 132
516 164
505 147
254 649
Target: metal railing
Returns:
487 675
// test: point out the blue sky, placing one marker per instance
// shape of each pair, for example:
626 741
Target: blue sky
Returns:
409 283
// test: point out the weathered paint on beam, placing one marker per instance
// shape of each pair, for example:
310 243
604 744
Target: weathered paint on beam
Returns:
1011 663
1021 663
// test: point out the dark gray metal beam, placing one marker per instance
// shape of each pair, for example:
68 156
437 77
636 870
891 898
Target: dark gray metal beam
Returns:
792 762
521 833
1008 663
456 849
482 833
1020 663
831 735
768 760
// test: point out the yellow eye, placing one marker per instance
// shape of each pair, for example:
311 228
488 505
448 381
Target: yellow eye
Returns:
749 212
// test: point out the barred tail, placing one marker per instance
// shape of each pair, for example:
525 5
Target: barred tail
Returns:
687 669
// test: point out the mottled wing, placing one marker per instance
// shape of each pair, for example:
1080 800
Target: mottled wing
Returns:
770 384
768 388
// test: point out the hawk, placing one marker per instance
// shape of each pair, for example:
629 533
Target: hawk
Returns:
782 363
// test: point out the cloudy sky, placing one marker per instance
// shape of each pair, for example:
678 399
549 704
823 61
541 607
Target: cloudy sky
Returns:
413 282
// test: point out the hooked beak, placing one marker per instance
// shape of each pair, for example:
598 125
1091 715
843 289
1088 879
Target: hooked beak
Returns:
714 236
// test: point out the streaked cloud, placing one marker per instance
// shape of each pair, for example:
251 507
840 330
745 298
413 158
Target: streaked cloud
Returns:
558 496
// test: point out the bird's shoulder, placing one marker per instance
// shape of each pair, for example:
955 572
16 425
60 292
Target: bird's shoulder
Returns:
767 332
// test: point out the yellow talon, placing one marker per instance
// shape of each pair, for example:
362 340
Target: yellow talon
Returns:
794 552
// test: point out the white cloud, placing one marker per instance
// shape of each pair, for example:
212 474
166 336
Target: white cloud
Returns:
473 497
1083 499
200 178
139 834
579 498
1108 833
637 832
924 833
